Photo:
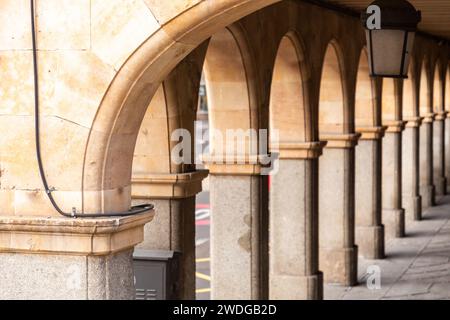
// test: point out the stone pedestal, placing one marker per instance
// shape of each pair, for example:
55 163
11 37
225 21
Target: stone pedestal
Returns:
63 258
412 201
173 228
294 225
369 228
440 181
427 188
239 231
393 213
338 252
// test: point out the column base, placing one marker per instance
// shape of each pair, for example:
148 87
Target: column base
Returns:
66 277
413 207
394 221
428 196
340 265
441 186
64 258
370 241
285 287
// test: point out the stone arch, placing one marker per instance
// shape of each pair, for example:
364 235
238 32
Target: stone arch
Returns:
294 183
425 107
110 146
410 96
332 113
367 108
389 101
368 162
229 77
290 112
438 89
337 252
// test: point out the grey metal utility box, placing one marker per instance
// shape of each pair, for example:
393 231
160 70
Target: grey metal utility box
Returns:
155 274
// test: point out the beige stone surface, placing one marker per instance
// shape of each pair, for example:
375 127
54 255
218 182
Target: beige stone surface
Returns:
102 62
71 236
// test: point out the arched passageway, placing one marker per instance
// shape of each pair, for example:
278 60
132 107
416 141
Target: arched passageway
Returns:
412 200
294 262
165 174
239 223
338 252
369 227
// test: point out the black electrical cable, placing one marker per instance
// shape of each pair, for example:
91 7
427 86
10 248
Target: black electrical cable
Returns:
134 210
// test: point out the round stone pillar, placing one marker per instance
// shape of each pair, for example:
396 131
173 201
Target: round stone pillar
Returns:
427 188
239 229
337 250
173 228
393 212
294 224
412 200
369 227
440 181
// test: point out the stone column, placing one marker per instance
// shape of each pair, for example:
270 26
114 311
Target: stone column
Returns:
173 228
239 230
412 200
369 227
294 224
427 189
447 150
338 252
440 181
64 258
393 213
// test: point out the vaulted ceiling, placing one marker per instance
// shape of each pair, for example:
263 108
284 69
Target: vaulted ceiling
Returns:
435 13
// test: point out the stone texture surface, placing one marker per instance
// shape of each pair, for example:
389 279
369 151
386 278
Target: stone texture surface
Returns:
427 188
237 237
393 213
369 227
337 250
294 265
65 277
417 266
411 199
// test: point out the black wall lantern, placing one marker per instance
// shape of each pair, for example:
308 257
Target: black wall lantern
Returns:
390 30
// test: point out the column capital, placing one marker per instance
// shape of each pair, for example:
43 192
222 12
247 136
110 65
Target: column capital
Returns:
414 122
93 237
371 133
429 117
441 115
241 165
167 186
301 150
395 126
341 141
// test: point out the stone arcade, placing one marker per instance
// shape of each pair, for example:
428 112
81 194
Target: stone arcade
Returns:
359 158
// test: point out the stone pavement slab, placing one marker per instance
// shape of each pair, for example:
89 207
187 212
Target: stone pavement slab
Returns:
417 267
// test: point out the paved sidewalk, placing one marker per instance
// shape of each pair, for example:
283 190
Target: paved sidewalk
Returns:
417 267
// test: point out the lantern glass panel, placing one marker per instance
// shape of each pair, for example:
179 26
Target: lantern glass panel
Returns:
386 51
